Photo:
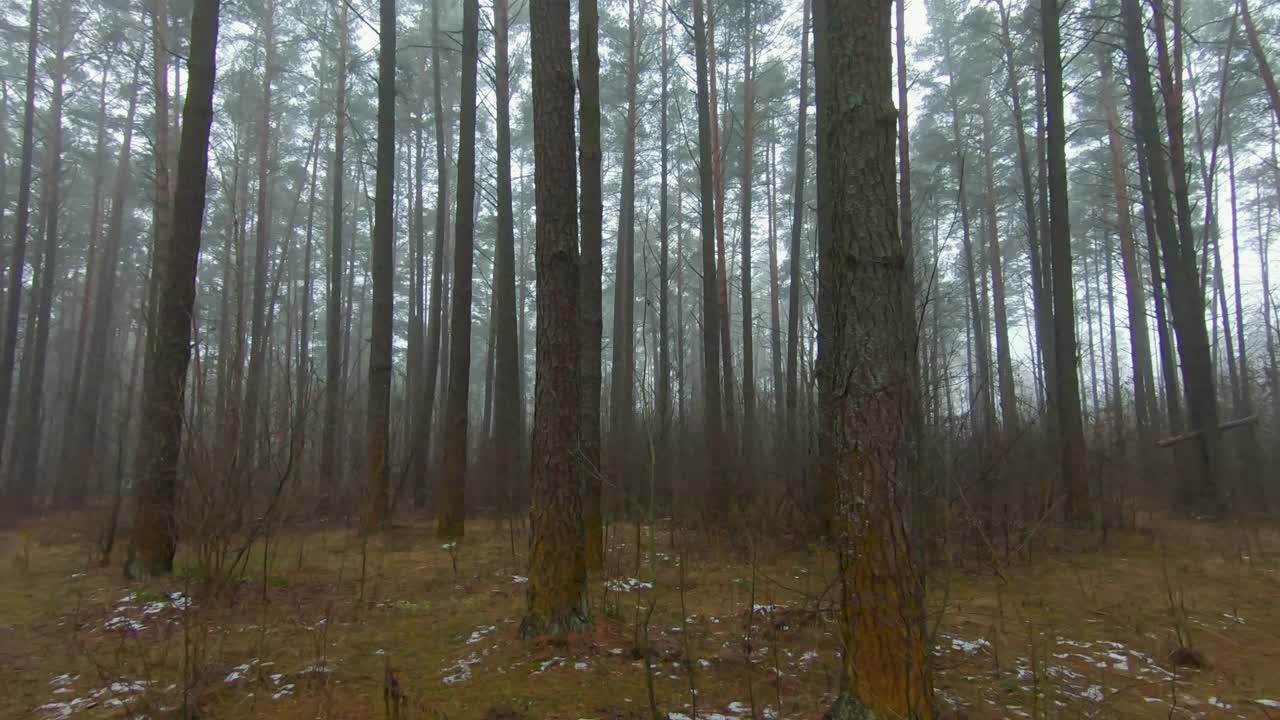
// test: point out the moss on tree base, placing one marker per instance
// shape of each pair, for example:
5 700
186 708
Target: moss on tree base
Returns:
849 707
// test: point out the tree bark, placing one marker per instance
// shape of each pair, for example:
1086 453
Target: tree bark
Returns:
864 367
558 601
745 195
154 537
796 252
333 386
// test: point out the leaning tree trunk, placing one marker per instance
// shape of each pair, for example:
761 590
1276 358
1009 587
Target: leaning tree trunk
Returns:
864 368
154 537
451 515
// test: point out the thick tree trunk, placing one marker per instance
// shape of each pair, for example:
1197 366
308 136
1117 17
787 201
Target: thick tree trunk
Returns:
1069 425
154 537
558 601
589 274
451 513
864 368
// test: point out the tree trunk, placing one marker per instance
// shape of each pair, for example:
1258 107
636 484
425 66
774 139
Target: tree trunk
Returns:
31 407
1199 491
796 253
717 488
590 271
744 192
333 386
1069 425
865 366
1144 399
1260 55
622 384
1004 357
154 537
17 258
1040 294
507 405
662 383
558 601
451 514
722 268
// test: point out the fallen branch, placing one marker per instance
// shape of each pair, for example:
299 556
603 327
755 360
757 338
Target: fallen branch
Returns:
1228 425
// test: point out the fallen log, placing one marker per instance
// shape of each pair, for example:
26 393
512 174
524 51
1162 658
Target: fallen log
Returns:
1228 425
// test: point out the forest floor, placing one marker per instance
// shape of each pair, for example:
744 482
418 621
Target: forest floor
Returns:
1080 629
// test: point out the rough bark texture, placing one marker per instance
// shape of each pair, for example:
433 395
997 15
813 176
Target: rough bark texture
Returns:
1070 426
558 600
864 367
154 537
450 516
592 267
382 263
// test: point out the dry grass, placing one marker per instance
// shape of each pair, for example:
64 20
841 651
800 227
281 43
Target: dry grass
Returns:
1069 634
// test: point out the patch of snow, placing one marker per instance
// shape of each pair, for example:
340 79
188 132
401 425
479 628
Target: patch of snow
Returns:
627 585
1273 704
478 635
766 609
704 662
1094 693
64 680
739 708
969 647
449 546
461 670
318 668
125 687
809 656
1214 701
124 623
677 716
580 665
1119 661
284 692
519 579
239 672
616 651
76 576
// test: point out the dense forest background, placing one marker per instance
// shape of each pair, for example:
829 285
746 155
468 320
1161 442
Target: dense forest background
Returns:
371 309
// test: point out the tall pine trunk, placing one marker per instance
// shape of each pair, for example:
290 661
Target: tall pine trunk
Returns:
154 538
558 601
507 405
451 514
334 357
